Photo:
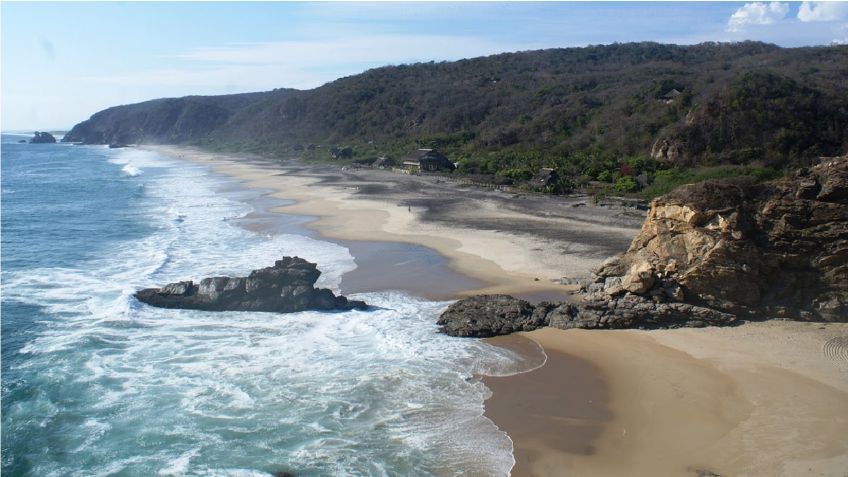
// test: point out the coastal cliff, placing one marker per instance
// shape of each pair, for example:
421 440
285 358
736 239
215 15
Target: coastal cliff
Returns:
711 253
777 250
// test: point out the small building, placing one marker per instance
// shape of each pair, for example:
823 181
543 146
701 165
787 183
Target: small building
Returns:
428 160
671 96
546 177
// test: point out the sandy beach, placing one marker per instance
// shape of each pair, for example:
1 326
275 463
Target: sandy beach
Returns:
762 399
511 243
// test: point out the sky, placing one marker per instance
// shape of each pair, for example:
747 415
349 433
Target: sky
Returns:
62 62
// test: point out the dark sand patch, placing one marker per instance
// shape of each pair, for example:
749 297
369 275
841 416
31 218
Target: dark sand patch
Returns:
561 406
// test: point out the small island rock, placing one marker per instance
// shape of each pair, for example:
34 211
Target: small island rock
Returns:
42 138
284 288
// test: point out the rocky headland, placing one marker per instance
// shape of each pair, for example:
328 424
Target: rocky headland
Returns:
713 253
286 287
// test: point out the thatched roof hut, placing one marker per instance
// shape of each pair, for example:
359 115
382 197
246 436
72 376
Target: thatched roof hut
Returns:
428 160
672 94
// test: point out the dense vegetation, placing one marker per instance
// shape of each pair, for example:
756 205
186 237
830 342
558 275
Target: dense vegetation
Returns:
598 114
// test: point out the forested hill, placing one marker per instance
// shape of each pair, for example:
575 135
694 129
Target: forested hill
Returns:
737 103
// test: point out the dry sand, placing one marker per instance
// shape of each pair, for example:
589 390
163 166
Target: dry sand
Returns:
763 399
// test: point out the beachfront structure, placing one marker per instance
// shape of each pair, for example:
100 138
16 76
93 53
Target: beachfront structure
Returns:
428 160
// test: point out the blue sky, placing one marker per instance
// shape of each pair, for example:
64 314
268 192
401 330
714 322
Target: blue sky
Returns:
62 62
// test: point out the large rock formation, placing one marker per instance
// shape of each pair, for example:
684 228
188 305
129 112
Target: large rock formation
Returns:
284 288
42 138
777 250
712 253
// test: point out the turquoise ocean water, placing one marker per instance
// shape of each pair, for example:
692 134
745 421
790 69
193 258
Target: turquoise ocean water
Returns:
96 384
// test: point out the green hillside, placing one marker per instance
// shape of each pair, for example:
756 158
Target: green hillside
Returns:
595 113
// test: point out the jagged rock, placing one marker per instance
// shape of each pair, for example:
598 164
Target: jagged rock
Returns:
42 138
635 311
755 250
492 315
611 267
639 279
286 287
488 315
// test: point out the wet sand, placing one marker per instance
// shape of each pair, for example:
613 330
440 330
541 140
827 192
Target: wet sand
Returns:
563 405
763 399
380 266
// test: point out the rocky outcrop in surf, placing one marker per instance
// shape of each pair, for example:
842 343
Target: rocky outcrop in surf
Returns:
286 287
40 137
710 254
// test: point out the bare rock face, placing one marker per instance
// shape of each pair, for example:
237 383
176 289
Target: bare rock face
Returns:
668 150
284 288
777 250
639 279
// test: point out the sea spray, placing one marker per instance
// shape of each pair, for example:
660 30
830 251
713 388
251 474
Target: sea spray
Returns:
95 383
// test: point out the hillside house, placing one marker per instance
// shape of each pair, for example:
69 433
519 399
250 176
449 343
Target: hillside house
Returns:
428 160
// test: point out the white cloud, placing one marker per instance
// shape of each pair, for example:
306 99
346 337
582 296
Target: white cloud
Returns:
757 13
823 11
842 35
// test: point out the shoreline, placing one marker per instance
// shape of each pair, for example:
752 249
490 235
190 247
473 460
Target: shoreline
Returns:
477 235
758 399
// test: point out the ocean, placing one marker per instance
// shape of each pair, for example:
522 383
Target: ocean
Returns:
96 384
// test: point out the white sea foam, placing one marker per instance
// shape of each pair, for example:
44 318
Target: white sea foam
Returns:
130 170
376 392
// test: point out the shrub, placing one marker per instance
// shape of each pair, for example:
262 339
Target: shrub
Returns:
626 184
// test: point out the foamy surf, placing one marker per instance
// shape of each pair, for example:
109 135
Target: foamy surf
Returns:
131 171
177 392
